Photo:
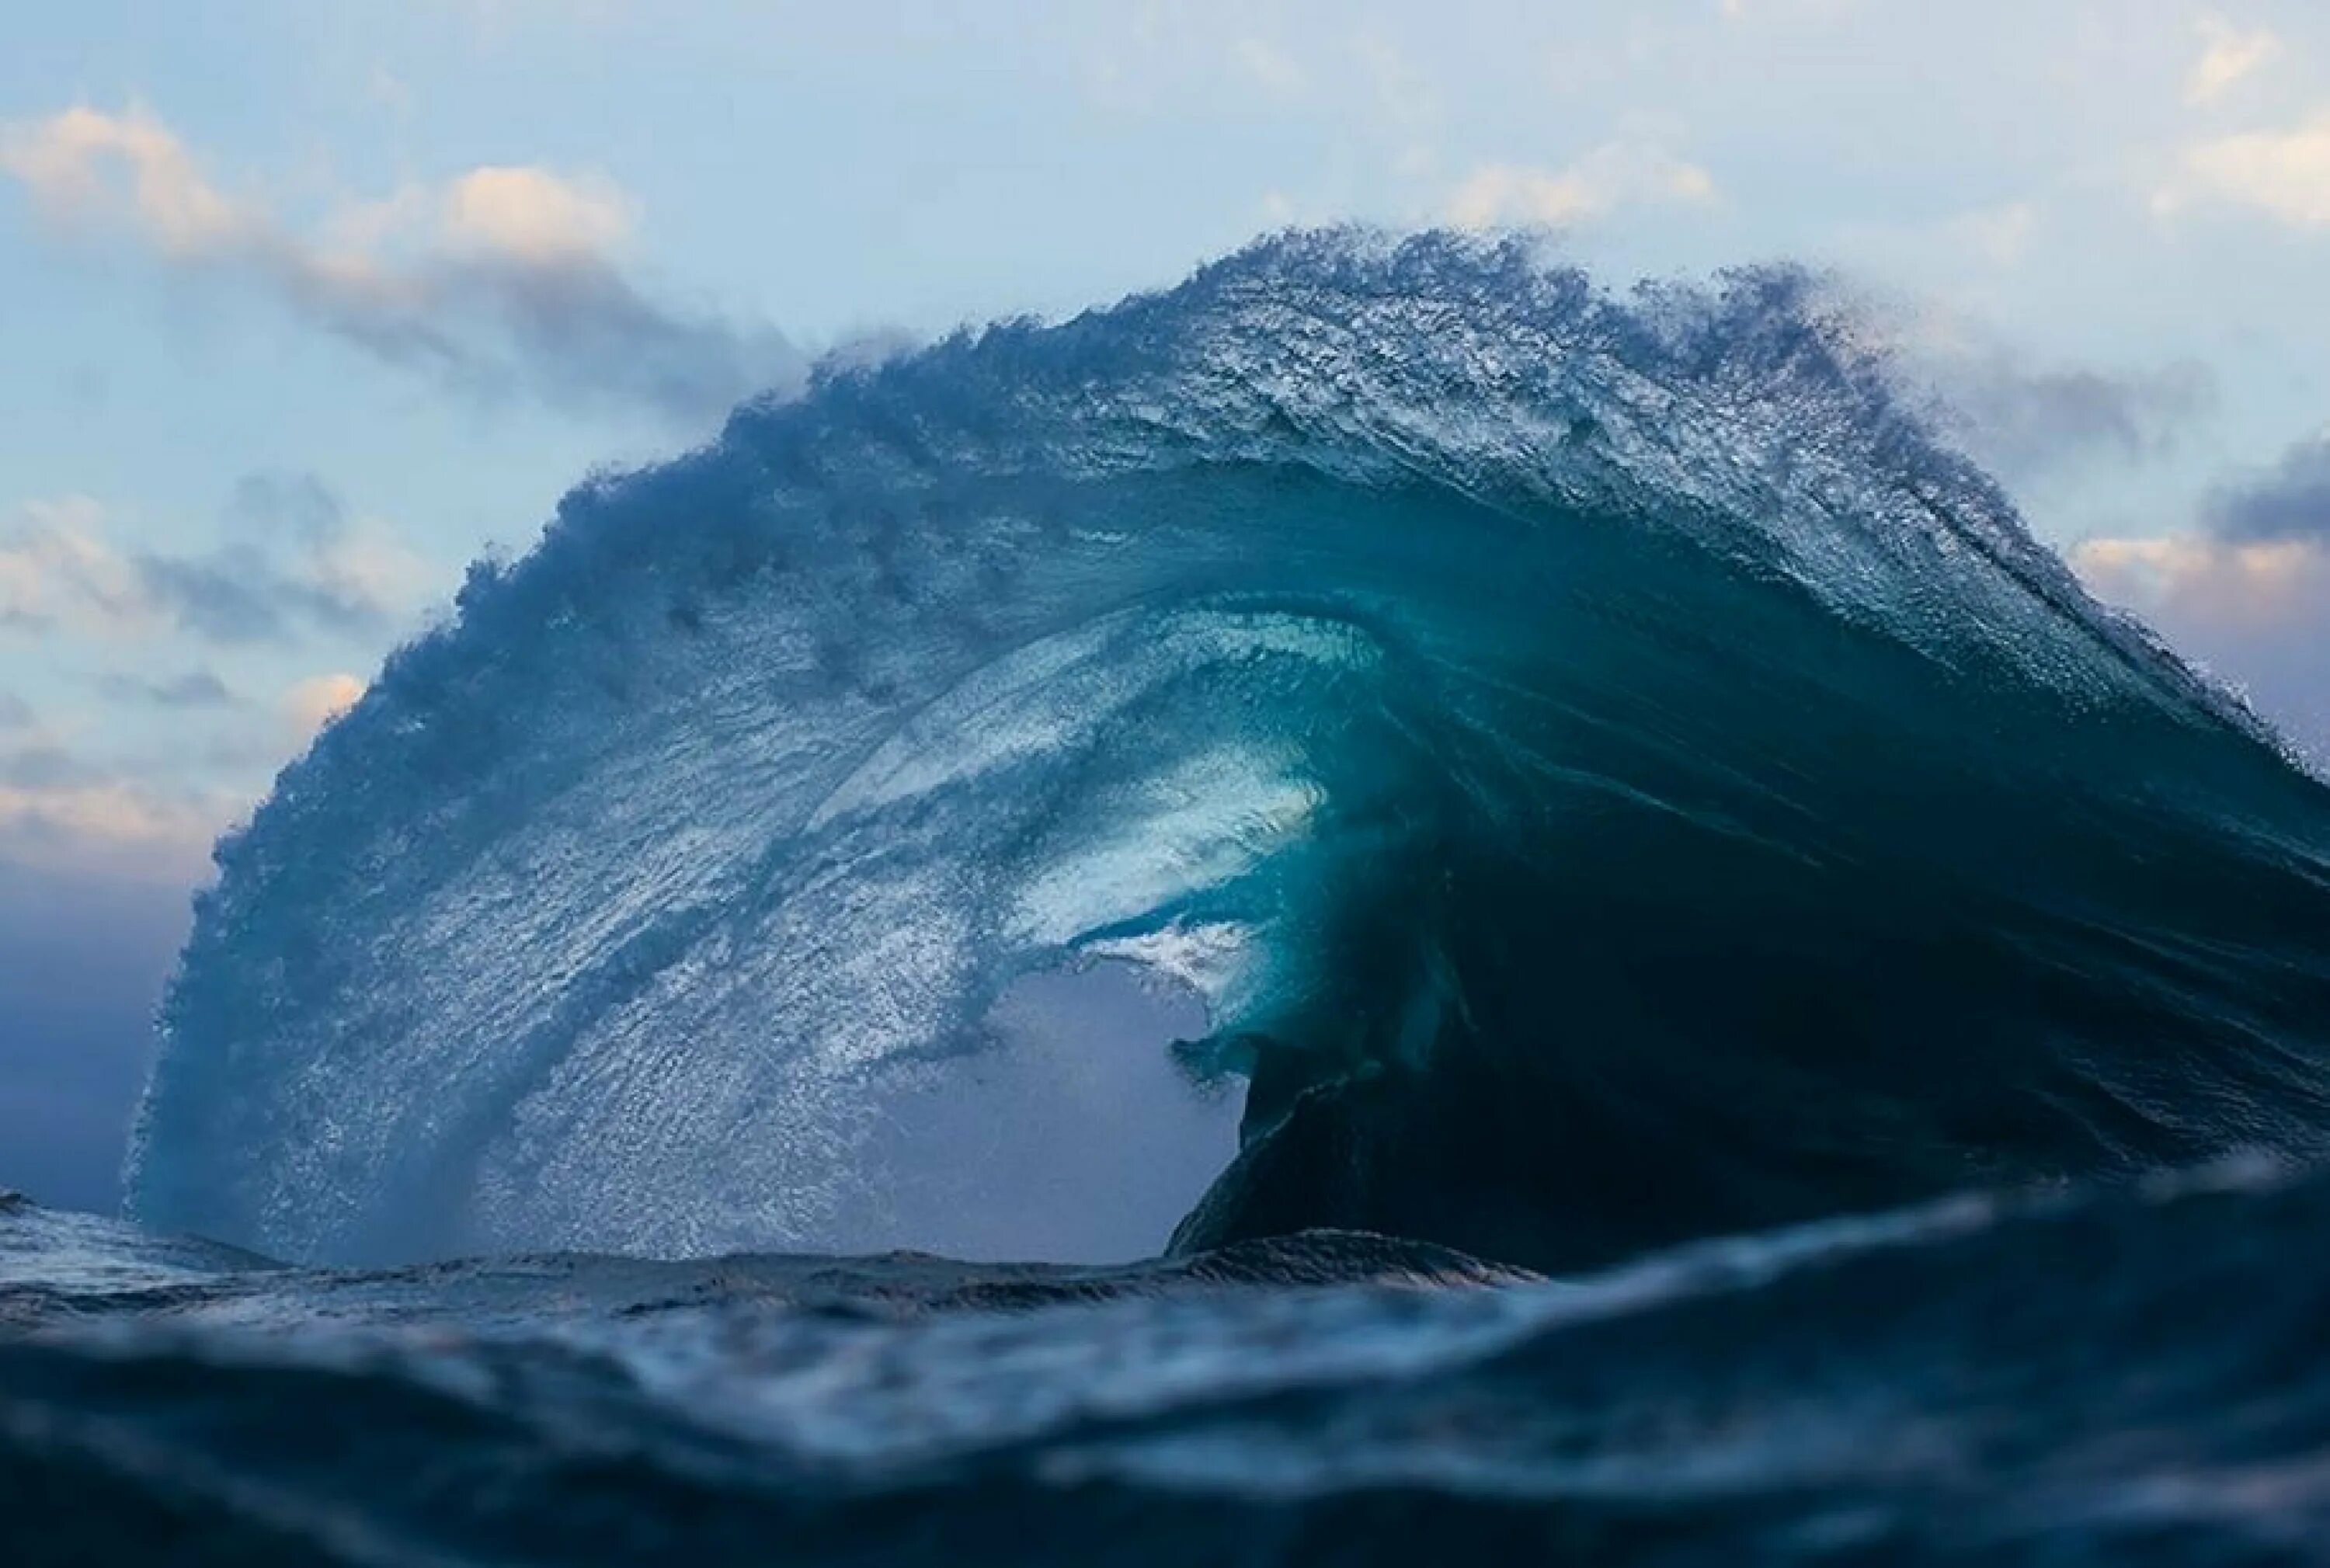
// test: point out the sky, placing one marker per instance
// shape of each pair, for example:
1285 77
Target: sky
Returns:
304 306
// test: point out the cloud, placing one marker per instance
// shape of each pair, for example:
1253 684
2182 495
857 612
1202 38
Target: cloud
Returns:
2201 577
236 595
45 766
106 793
505 277
2229 57
528 214
2025 420
94 796
2252 610
2019 416
56 569
297 505
59 572
2290 501
2285 174
84 167
194 689
1613 175
2248 590
357 574
56 812
317 701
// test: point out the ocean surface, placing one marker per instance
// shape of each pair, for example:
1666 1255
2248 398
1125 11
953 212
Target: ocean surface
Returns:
1588 951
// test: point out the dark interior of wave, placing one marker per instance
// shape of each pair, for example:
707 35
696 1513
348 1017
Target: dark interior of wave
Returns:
1725 912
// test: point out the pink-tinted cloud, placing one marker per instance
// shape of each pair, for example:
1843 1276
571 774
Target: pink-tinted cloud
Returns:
504 277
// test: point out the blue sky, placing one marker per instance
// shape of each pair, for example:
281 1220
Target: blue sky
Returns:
306 305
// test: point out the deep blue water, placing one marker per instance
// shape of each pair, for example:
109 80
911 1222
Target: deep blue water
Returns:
2127 1378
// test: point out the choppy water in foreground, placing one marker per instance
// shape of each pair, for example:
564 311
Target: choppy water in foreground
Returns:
2131 1377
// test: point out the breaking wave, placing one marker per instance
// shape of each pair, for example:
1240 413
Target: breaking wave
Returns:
1592 770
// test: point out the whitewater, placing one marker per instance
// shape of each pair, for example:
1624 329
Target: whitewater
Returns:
1621 963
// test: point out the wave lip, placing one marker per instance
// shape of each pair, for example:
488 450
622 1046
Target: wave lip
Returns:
1608 775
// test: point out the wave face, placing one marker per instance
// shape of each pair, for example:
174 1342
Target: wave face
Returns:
1607 774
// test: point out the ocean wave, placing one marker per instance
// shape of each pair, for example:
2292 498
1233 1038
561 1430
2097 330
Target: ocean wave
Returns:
1607 773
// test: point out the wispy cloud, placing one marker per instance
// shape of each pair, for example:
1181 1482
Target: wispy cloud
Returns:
2231 583
313 702
295 505
2285 174
504 278
1613 175
2020 415
2245 588
58 813
2230 55
60 570
57 571
45 766
194 689
82 796
2289 501
2025 419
